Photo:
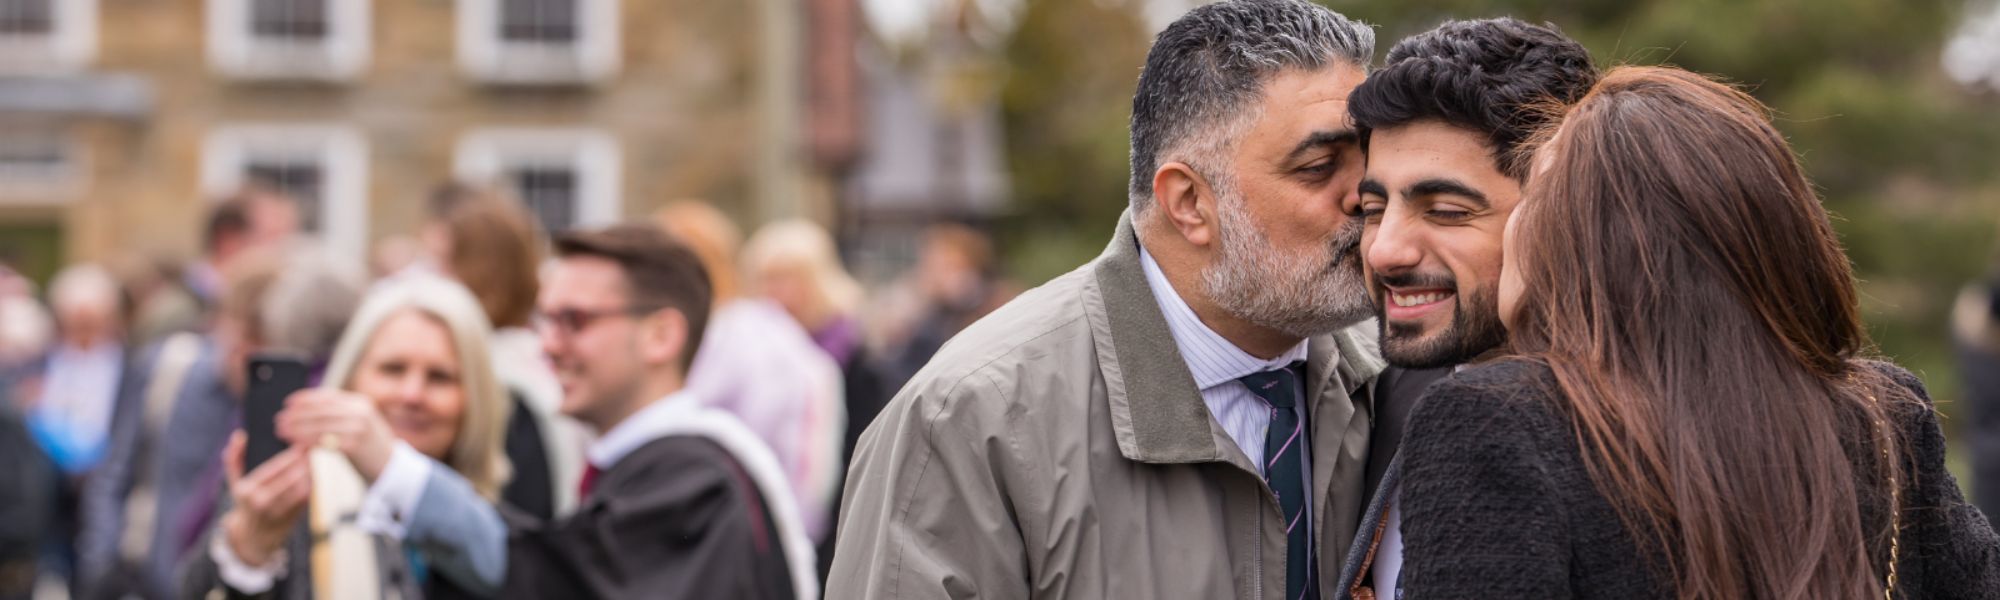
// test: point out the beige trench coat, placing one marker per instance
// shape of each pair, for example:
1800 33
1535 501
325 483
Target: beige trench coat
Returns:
1058 448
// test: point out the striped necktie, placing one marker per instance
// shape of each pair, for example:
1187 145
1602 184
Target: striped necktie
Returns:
1284 448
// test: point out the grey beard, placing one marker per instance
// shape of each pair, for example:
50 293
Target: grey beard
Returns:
1304 295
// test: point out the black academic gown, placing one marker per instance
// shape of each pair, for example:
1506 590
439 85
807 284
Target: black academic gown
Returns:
676 518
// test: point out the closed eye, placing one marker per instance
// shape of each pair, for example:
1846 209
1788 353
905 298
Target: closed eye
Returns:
1449 214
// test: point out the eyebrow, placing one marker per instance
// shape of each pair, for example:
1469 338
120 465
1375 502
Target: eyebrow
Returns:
1434 187
1323 139
1370 186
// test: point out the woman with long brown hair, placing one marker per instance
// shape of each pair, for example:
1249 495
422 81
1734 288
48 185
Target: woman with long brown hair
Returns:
1691 410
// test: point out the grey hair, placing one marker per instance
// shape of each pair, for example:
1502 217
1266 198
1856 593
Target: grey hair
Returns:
310 301
1205 76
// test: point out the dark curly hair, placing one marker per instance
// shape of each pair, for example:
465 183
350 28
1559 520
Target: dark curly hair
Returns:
1490 75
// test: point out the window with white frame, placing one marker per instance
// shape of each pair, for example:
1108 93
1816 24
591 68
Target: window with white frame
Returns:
325 40
47 36
567 178
528 42
38 162
322 167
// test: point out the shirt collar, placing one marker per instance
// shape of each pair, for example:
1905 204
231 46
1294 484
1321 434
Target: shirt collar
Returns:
639 429
1211 358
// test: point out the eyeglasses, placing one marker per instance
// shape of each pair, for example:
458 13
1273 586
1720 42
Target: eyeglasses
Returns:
572 321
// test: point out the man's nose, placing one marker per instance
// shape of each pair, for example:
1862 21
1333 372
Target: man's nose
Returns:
1395 245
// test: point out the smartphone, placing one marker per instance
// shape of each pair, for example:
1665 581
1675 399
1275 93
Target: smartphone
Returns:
273 378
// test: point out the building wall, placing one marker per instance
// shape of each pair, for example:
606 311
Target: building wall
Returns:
678 110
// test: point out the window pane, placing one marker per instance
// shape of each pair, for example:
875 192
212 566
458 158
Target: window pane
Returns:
538 20
550 192
298 19
303 181
27 17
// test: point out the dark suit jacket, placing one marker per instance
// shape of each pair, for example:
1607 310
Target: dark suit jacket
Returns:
532 488
677 518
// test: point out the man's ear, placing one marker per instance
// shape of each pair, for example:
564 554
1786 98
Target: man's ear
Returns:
663 337
1185 200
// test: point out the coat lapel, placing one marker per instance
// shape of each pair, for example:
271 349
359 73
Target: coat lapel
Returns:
1340 371
1156 412
1360 556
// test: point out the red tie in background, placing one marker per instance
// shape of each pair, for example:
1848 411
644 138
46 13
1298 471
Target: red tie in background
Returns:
588 481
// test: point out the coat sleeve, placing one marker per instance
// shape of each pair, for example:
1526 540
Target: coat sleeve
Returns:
1478 519
927 512
106 490
460 532
1949 547
200 576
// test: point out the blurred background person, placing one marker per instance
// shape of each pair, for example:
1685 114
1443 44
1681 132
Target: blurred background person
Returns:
1976 329
954 283
760 365
161 303
26 330
794 264
155 491
309 303
26 501
75 393
410 389
393 254
488 242
250 219
81 374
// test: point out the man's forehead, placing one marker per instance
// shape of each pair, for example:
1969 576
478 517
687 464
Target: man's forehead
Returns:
1429 146
584 275
1298 103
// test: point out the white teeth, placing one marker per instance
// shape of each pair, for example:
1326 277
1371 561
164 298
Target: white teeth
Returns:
1416 299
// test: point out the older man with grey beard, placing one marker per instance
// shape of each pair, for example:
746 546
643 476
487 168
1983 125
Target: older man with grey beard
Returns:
1186 416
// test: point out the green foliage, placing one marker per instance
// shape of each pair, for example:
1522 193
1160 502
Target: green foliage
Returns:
1071 67
1905 158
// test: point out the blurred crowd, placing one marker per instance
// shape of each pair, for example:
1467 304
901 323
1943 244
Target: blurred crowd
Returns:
121 383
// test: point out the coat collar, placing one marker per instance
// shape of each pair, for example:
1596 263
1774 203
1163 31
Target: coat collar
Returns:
1156 410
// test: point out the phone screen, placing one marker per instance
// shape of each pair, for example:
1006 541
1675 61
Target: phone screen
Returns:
273 378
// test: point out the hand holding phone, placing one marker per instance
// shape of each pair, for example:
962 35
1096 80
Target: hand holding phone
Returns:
267 502
273 378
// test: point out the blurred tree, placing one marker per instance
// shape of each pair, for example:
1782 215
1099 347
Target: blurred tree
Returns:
1071 66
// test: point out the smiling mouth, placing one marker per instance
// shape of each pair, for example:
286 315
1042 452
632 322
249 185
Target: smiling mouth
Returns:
1419 298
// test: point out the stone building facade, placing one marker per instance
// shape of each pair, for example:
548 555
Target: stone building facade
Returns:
121 119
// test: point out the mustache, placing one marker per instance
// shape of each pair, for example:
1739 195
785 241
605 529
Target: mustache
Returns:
1346 245
1413 279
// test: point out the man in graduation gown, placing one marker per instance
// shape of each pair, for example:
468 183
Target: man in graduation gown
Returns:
678 501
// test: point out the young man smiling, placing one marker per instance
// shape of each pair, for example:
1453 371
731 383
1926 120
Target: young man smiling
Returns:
1442 124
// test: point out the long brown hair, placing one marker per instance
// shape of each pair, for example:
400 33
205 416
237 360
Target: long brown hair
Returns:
1680 277
496 250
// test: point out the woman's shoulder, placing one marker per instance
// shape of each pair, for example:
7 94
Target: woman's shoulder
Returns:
1893 374
1509 399
1514 387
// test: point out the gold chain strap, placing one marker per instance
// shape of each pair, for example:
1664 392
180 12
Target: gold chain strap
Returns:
1895 507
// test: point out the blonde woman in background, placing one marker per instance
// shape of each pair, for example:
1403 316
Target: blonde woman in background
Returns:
410 412
794 263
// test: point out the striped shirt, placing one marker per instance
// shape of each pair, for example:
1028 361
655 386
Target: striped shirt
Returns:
1216 364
